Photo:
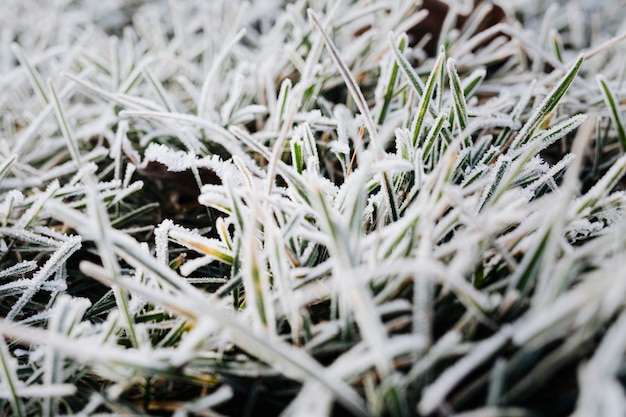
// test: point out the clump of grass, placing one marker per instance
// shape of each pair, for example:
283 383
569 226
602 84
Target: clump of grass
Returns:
235 208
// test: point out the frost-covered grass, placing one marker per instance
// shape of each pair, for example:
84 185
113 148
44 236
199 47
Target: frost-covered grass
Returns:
256 208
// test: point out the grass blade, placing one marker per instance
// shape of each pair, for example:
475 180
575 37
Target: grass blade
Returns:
611 102
352 85
9 375
460 105
548 104
424 103
65 129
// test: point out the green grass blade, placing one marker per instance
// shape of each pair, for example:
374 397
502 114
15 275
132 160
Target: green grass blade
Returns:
5 166
548 104
391 84
10 378
424 103
406 67
611 102
458 96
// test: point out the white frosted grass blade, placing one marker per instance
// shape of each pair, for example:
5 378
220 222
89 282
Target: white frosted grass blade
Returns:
359 360
497 379
5 166
350 82
431 137
125 246
64 126
586 202
496 411
550 174
218 133
41 391
161 240
597 294
139 257
287 171
425 99
89 168
192 265
458 96
175 160
279 263
279 144
18 286
208 85
473 82
516 113
66 315
33 75
406 67
104 94
10 379
474 300
423 308
435 394
12 198
18 269
389 76
219 396
313 400
234 96
549 136
254 273
207 246
601 392
166 100
412 229
201 333
310 147
100 219
119 195
278 113
296 364
117 147
30 214
30 237
107 355
56 261
52 174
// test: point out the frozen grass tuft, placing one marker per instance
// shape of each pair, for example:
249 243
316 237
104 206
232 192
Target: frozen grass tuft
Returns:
313 208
